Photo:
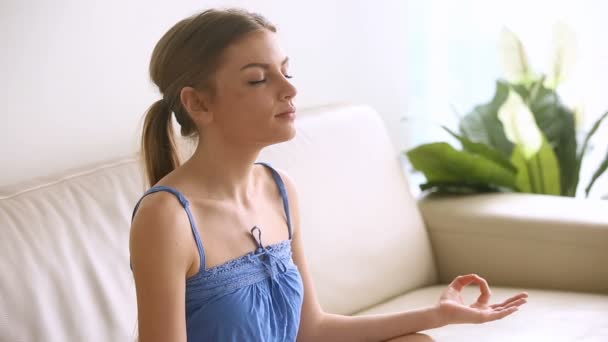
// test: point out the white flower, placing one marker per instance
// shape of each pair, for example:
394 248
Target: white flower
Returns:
519 124
514 58
563 56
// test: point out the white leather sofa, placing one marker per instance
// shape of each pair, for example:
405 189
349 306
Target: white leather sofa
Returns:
372 246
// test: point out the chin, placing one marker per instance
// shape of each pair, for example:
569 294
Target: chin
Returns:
286 135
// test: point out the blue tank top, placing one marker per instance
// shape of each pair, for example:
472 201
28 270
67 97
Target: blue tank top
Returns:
255 297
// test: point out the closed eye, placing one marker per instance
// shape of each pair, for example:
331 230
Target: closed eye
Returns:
264 80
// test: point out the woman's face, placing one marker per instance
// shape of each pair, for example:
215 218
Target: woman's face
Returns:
251 89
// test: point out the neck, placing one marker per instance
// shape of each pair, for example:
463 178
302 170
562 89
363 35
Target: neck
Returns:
225 171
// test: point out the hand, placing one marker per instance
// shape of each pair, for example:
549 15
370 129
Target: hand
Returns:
452 309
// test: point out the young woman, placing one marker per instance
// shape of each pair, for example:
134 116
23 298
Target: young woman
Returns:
216 242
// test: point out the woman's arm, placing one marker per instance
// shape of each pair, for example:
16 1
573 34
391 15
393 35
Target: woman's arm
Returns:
316 325
160 256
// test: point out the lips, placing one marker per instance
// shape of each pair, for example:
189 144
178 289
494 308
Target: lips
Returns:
288 112
286 116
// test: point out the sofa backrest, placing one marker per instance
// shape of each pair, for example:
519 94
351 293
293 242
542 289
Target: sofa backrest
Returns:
64 255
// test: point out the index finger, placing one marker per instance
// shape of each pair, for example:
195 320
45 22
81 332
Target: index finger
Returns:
461 281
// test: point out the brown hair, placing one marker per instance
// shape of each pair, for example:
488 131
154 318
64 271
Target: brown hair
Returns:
186 56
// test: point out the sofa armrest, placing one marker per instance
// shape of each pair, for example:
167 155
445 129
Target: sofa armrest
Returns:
520 240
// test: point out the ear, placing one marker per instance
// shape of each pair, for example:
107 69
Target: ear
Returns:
197 104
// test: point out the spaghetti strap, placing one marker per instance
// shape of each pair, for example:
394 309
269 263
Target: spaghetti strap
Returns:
279 181
184 202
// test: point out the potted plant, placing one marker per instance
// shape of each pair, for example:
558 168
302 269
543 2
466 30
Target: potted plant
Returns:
523 140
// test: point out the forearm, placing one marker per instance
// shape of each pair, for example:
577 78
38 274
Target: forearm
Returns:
375 328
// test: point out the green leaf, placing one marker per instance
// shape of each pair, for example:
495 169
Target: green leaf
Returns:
460 188
523 90
484 150
597 174
581 153
482 125
549 169
556 122
522 179
539 174
440 162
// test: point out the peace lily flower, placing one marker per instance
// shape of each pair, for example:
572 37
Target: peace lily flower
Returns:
563 56
519 125
514 58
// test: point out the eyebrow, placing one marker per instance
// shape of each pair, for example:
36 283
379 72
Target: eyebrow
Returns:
263 65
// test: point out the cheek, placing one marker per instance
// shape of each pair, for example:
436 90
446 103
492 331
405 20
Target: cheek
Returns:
242 109
250 102
243 96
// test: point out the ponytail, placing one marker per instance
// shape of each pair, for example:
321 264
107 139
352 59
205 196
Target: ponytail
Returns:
158 143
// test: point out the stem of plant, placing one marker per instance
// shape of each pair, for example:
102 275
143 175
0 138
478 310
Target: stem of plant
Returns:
532 176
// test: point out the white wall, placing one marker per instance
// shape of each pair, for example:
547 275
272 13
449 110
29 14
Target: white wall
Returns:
75 82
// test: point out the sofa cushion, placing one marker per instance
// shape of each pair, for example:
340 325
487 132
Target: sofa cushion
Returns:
548 316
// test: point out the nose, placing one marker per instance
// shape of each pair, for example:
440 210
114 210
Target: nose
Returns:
288 91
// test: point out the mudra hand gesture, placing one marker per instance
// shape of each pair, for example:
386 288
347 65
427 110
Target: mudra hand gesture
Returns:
452 308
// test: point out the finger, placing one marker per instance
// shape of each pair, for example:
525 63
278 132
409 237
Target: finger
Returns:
518 302
461 281
485 295
512 299
498 314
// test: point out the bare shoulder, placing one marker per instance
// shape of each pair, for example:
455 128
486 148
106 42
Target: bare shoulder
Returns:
160 257
160 226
